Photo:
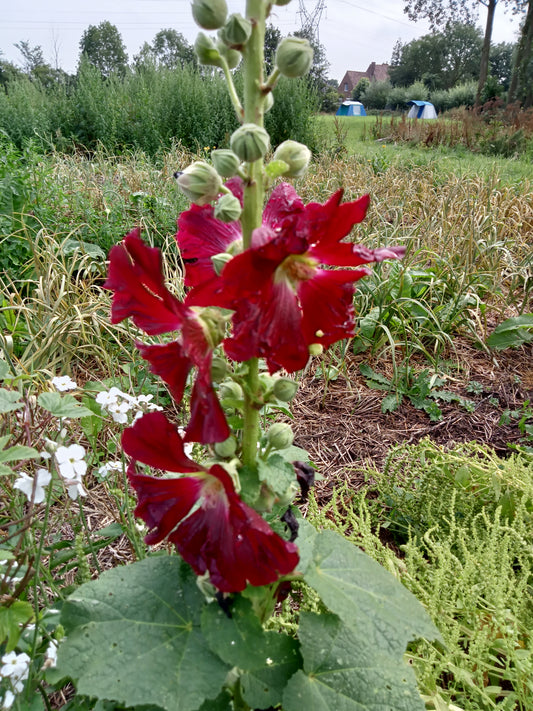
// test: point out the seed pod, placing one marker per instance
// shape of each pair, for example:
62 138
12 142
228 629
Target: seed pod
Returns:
199 182
209 14
236 32
280 435
226 162
206 51
296 155
294 57
250 142
268 102
230 390
228 208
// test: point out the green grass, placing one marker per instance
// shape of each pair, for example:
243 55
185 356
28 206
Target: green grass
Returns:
457 161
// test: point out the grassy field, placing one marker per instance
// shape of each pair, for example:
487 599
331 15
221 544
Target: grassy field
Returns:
355 135
451 520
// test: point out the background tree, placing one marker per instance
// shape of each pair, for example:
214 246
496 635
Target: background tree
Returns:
501 62
441 13
169 49
32 56
272 39
441 59
103 47
37 69
360 88
521 85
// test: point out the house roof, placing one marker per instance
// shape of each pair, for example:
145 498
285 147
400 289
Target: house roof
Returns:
374 72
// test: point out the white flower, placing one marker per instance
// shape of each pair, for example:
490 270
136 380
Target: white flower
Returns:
71 462
64 383
104 470
25 484
75 488
7 702
50 655
16 667
118 411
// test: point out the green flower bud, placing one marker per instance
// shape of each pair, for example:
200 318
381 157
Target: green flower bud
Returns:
250 142
232 56
290 494
209 14
280 2
285 389
226 449
236 32
226 162
219 261
315 349
294 57
230 390
268 102
219 369
200 182
280 435
206 51
296 155
228 208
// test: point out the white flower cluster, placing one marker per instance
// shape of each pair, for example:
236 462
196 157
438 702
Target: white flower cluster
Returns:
71 466
15 668
119 404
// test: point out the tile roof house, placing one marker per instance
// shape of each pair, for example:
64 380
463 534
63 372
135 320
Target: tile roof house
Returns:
375 72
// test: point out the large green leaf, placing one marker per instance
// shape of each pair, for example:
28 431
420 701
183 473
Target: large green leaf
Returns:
268 659
63 405
10 400
11 619
363 594
345 673
277 473
515 331
134 636
14 454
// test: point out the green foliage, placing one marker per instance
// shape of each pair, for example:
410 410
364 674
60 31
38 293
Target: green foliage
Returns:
441 59
102 46
421 389
170 648
513 332
464 517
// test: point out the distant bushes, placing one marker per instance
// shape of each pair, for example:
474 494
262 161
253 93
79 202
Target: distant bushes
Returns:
147 109
381 95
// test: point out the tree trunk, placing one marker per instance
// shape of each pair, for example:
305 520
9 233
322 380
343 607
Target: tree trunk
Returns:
485 53
523 55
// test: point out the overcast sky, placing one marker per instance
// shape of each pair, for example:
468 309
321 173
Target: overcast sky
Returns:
353 34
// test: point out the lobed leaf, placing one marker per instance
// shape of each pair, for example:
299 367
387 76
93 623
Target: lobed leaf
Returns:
134 636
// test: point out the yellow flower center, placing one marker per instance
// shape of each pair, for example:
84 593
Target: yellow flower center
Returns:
296 268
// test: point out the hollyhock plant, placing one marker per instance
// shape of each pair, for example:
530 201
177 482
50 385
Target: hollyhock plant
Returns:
284 301
136 278
273 283
202 515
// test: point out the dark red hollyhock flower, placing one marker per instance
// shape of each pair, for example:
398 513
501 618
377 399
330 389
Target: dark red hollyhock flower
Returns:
136 278
283 300
222 535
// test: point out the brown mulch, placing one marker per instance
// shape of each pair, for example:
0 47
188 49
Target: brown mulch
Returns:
342 426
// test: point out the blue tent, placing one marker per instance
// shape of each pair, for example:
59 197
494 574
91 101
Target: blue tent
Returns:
421 110
351 108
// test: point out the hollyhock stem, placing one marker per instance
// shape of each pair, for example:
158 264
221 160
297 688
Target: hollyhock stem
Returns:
253 197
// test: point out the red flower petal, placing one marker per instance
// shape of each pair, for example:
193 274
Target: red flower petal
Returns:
200 236
170 362
155 441
136 278
163 503
208 421
223 535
